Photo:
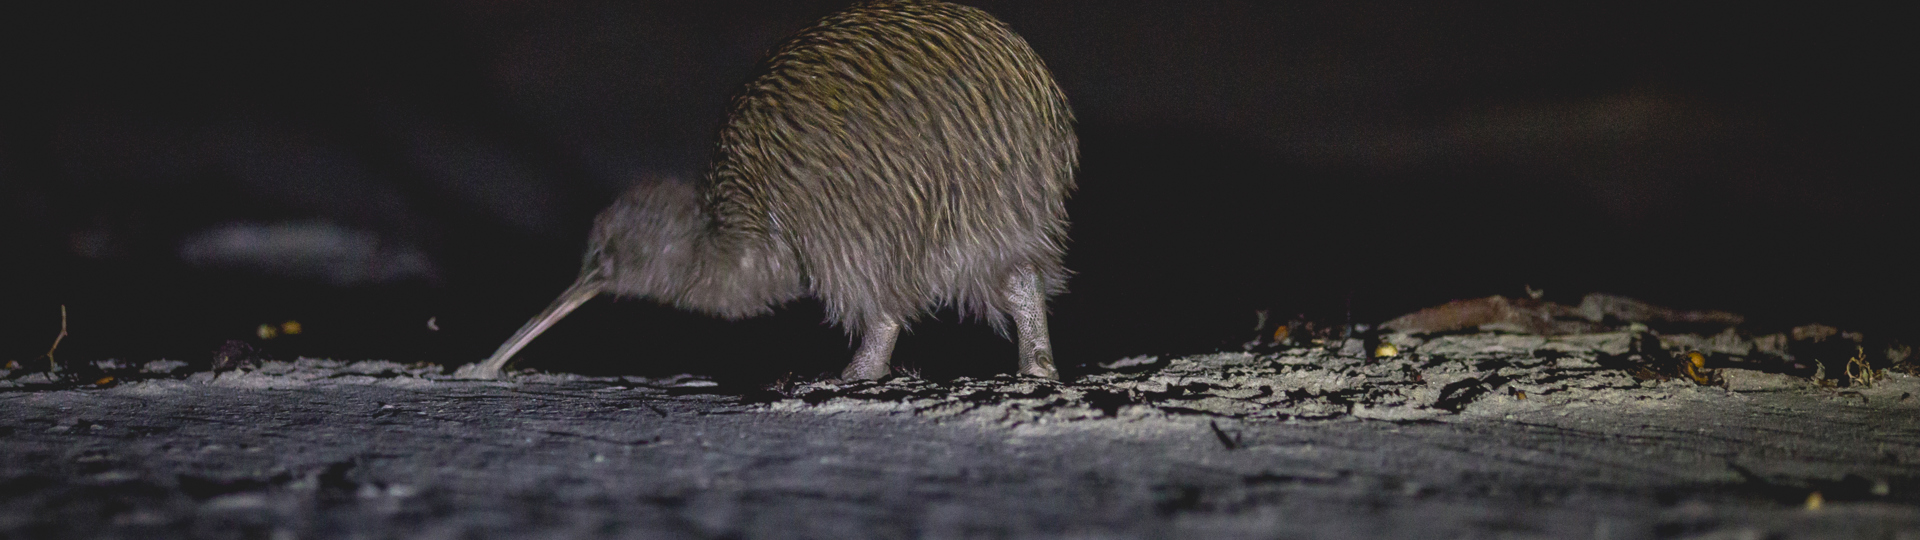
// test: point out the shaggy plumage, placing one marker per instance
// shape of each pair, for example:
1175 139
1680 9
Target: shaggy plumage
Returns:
895 157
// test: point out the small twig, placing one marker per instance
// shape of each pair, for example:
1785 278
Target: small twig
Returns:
1230 441
53 366
1867 374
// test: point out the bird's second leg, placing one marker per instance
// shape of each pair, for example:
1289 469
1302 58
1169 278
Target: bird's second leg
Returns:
875 358
1030 319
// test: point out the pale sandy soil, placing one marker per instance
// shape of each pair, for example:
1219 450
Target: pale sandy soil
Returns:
1468 436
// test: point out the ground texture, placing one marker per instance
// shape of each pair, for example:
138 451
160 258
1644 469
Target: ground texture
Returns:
1470 435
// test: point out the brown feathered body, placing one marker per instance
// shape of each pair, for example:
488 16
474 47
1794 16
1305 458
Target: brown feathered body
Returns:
893 158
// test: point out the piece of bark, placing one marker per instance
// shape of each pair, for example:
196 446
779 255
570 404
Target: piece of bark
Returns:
1598 307
1529 316
1496 312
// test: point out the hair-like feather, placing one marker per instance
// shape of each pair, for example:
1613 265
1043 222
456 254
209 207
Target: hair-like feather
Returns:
895 157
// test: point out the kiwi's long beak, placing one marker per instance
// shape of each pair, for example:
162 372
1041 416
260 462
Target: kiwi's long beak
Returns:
582 290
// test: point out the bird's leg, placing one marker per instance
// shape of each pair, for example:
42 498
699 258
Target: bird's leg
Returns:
1030 319
875 358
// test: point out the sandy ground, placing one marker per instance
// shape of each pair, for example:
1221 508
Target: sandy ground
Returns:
1478 435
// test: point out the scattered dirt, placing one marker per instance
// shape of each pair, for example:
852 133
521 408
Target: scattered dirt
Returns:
1480 434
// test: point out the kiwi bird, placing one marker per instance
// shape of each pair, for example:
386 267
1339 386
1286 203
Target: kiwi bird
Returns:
894 158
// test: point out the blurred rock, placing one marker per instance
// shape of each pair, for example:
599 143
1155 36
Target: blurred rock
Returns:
319 251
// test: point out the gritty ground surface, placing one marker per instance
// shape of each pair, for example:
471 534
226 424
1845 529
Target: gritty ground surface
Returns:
1484 435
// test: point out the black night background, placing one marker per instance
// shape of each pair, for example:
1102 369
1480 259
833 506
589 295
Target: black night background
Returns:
179 173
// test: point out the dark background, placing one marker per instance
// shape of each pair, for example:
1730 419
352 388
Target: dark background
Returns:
177 174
